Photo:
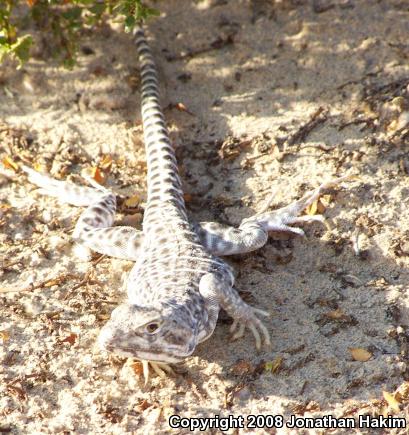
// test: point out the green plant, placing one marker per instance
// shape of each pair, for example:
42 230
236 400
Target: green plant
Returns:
61 23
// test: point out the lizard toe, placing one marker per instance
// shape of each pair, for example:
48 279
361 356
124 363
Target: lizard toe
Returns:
255 325
161 369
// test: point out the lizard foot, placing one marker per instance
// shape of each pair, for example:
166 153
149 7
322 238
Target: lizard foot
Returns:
161 369
254 324
282 219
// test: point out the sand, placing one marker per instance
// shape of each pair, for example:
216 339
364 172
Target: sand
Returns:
261 97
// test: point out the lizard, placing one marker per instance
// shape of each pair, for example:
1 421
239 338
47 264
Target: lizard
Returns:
178 282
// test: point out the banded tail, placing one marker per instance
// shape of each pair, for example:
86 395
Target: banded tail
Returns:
165 195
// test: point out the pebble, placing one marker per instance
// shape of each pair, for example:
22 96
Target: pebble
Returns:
19 236
35 259
34 306
47 216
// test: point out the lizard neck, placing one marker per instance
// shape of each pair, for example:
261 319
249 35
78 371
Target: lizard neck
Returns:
165 195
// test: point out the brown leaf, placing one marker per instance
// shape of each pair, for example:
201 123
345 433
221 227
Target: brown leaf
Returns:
336 315
232 147
5 336
143 404
137 367
182 108
9 163
302 408
359 354
71 339
17 391
402 393
98 175
391 401
242 367
188 197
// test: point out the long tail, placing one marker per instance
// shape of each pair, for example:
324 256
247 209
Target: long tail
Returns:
165 193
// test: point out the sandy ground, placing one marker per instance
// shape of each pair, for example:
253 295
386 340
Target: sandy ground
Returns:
280 96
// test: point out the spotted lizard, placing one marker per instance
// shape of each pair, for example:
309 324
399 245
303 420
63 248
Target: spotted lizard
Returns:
178 282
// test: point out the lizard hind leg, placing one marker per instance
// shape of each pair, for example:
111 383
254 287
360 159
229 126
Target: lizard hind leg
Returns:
252 233
283 218
93 230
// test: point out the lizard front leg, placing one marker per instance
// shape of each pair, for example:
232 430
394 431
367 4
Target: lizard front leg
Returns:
252 233
93 230
218 292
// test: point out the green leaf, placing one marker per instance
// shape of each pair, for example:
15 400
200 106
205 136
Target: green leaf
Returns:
72 14
97 9
21 48
129 23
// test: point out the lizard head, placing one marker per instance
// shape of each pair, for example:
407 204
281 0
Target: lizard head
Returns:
165 333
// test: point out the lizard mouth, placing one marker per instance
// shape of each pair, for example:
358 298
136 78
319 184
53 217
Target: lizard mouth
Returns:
144 355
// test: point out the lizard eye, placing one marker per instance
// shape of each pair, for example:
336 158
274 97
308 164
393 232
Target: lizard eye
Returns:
151 328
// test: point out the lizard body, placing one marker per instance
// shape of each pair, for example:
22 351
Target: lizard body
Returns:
178 283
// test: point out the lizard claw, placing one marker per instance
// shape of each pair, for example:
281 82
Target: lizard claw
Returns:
161 369
254 324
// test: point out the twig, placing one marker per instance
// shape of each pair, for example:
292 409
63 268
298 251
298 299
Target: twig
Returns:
45 283
217 44
320 146
357 121
83 281
318 117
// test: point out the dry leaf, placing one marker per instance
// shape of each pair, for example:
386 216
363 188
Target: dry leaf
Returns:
182 108
359 354
9 163
335 314
39 167
106 162
140 166
402 393
391 401
187 197
242 367
275 365
317 207
143 404
312 209
51 282
137 367
71 339
5 336
98 175
103 316
132 220
132 201
384 411
17 391
302 408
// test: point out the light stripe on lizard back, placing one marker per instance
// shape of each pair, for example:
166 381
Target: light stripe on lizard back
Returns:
165 196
